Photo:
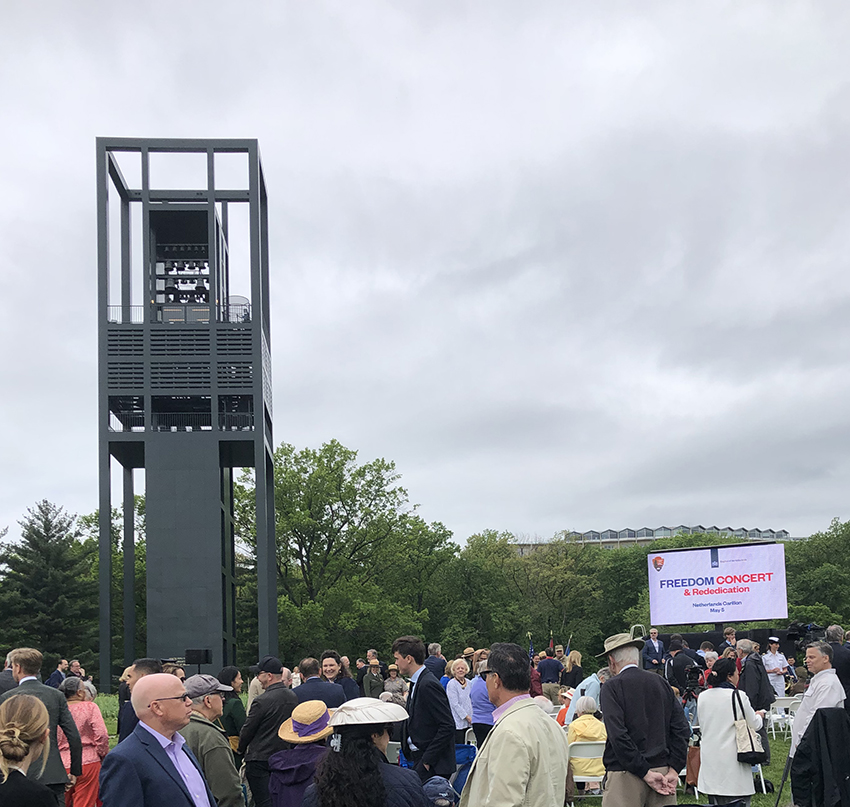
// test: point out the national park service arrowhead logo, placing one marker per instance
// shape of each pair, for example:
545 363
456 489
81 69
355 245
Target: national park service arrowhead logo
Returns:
658 563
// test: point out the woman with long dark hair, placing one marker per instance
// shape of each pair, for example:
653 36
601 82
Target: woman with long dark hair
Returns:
356 772
336 672
721 777
233 716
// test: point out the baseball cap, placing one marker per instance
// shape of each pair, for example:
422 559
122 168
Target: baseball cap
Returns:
269 664
199 685
439 792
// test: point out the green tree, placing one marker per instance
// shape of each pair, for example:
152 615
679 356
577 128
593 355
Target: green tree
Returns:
90 528
47 597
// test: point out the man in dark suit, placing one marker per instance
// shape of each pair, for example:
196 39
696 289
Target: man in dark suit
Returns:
428 734
435 662
840 659
648 735
127 718
653 652
153 767
26 664
58 675
7 681
259 737
314 688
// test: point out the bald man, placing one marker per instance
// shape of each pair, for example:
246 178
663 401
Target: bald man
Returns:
153 767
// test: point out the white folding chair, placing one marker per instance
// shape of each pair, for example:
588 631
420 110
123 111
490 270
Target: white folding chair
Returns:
776 716
469 738
585 750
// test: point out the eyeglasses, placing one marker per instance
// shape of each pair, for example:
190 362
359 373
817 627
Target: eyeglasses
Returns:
485 673
185 696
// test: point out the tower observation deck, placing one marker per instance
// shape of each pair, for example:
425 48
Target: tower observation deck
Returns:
184 386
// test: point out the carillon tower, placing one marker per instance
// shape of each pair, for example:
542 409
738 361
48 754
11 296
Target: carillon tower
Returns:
184 385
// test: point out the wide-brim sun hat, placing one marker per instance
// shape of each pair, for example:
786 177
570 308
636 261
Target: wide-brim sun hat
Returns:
619 640
361 711
310 722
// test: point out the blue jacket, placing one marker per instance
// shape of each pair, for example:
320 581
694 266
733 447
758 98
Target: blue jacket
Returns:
138 773
315 689
649 653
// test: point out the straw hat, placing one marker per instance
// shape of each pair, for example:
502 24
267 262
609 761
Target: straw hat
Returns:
310 722
619 640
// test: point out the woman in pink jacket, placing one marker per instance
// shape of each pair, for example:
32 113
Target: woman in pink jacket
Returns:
95 737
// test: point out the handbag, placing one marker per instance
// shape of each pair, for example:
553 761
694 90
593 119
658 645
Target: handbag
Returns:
750 749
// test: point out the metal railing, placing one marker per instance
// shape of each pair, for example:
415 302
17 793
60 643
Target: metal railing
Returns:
234 313
127 422
125 314
181 421
191 313
236 421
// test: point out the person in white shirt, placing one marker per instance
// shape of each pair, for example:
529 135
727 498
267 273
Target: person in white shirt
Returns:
824 690
776 666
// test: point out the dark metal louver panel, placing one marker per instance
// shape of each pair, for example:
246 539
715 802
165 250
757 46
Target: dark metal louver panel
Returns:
124 343
234 342
180 375
184 342
235 374
125 375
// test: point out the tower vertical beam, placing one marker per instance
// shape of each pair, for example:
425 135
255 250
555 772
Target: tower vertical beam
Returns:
129 569
104 494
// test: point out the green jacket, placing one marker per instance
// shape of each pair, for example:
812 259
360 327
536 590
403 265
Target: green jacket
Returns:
373 685
233 717
212 750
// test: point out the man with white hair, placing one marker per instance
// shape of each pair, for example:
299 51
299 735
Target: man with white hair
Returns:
209 743
824 690
756 683
435 662
648 735
259 738
153 766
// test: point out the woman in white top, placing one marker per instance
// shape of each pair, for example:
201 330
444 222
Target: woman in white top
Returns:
721 777
458 690
776 666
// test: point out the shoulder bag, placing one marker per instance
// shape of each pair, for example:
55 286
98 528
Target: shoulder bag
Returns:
750 749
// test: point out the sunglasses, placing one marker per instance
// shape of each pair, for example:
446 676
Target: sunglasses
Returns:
485 673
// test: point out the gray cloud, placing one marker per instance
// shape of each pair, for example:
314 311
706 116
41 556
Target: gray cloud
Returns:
571 267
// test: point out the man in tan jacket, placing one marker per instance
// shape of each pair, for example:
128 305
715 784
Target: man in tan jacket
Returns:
523 760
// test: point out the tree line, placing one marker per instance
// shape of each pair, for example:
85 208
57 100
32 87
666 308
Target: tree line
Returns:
357 567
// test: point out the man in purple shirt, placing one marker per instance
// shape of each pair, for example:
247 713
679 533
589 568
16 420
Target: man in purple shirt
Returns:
153 767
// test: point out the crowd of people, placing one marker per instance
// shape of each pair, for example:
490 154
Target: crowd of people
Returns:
320 734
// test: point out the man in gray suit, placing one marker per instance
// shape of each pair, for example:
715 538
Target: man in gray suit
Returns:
26 664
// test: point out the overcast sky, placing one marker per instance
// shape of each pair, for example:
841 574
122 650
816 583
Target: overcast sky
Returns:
569 265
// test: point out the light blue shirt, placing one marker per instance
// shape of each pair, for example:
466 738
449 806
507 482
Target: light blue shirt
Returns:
190 775
592 687
413 679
